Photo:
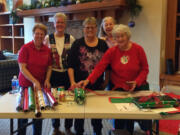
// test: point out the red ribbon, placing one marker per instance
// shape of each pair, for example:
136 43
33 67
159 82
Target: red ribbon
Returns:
92 91
151 96
89 90
176 111
172 95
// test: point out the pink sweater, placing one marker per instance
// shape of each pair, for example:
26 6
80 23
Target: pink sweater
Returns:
126 66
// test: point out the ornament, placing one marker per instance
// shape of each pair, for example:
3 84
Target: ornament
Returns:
131 24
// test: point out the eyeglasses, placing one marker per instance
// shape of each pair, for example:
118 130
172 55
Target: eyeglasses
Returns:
39 34
88 27
60 22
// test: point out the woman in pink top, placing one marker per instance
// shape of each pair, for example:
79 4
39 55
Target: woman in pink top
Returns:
105 32
129 69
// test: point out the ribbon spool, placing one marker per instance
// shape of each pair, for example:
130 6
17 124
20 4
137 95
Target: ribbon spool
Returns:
79 96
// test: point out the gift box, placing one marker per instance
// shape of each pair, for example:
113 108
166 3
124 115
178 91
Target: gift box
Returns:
154 101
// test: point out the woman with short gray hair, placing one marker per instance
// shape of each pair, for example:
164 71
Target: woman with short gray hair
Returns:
60 15
60 44
121 28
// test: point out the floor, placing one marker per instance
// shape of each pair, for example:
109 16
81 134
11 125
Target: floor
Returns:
47 128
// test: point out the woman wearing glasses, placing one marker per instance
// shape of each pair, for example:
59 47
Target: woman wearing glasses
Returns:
84 55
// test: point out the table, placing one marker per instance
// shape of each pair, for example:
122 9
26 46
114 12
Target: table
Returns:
95 107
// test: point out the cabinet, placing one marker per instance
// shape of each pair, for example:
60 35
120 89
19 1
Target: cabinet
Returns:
11 35
172 48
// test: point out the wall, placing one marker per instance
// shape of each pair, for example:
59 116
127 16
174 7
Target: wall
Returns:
149 32
28 26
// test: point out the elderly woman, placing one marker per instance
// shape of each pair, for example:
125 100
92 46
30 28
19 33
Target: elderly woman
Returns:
84 55
129 68
35 69
105 32
60 44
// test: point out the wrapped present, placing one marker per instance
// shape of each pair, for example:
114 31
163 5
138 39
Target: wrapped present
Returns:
156 101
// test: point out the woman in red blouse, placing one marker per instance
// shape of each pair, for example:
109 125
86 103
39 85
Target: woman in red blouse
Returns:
35 70
129 68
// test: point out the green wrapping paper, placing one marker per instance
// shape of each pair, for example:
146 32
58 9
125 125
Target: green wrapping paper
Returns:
120 100
31 102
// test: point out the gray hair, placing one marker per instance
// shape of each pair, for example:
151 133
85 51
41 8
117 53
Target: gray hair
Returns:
102 32
121 28
60 15
90 20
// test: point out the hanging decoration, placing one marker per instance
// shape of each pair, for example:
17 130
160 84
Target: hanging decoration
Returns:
134 9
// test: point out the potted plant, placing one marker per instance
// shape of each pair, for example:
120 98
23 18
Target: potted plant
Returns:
14 18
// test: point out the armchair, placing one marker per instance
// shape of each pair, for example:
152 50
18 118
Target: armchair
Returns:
8 68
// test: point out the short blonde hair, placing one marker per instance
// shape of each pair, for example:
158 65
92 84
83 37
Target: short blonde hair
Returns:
90 20
102 33
60 15
121 28
41 27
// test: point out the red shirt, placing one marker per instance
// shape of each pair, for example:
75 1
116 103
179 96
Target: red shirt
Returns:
126 66
37 62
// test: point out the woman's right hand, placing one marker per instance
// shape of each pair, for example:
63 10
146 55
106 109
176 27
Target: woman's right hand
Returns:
83 83
37 85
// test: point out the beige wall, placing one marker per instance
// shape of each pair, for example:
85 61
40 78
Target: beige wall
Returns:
150 32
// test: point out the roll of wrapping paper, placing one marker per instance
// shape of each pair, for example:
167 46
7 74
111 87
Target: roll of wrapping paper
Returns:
20 100
31 103
41 99
37 107
25 107
50 97
46 101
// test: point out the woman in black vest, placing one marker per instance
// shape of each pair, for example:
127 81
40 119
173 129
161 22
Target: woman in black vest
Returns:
60 44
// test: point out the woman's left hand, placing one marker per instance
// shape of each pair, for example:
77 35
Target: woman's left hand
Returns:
47 84
132 85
